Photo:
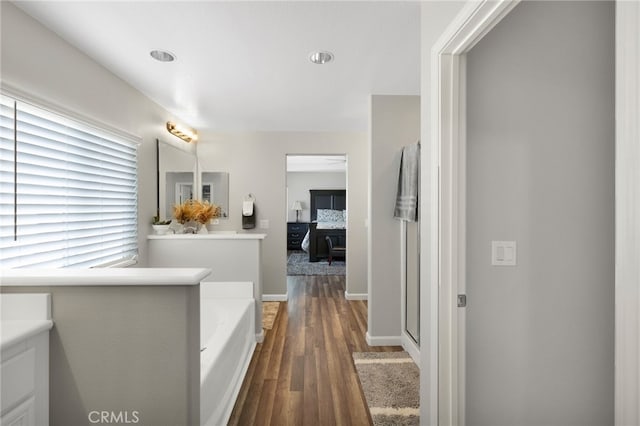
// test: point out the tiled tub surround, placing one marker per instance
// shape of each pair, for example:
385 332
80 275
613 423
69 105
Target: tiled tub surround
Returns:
25 321
125 342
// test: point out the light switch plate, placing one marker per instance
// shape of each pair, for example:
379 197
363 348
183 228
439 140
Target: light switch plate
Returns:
503 253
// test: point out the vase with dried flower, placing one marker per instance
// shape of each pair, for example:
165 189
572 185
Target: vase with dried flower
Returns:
195 214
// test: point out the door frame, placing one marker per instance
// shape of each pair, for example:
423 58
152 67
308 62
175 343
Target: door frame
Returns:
448 141
627 245
447 208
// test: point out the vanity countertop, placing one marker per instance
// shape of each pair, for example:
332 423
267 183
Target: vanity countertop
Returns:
219 235
14 331
23 316
103 276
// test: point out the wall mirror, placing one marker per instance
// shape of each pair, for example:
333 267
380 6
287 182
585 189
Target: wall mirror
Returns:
215 189
412 281
177 167
179 179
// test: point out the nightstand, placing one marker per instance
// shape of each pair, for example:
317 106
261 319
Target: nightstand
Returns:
295 234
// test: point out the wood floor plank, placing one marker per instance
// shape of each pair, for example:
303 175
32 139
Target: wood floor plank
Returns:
250 407
303 372
295 414
247 414
265 406
297 373
326 414
281 403
244 391
318 335
340 407
278 336
310 402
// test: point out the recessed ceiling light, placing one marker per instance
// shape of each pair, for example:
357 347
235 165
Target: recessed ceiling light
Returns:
321 57
162 56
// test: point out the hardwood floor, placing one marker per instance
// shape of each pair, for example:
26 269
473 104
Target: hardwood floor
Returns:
303 373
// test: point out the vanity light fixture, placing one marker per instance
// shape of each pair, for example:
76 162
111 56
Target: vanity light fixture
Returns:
321 57
184 133
162 55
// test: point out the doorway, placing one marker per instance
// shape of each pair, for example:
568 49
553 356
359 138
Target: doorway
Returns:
540 217
316 214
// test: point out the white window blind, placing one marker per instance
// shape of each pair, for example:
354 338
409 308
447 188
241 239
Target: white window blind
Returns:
68 191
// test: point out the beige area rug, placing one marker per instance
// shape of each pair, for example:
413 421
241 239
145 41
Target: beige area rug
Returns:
269 313
391 385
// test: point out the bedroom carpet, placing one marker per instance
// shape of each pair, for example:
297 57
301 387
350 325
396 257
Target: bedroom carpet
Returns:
298 264
391 385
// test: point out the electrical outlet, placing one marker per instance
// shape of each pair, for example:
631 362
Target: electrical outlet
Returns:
264 224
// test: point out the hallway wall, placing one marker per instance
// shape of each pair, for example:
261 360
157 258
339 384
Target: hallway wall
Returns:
395 122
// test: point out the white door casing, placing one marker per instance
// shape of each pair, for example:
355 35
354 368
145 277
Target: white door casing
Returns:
447 204
627 298
448 147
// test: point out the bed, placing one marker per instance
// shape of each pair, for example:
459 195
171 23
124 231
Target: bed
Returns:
328 218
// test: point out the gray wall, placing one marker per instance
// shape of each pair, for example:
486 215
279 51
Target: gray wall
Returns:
299 184
540 170
40 63
123 349
395 122
256 163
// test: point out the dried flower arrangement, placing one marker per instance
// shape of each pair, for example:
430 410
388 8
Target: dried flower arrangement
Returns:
199 211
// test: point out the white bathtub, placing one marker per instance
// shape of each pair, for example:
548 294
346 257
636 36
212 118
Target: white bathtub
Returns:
227 341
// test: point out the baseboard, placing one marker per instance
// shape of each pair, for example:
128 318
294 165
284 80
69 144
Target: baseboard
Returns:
275 297
411 347
356 296
383 340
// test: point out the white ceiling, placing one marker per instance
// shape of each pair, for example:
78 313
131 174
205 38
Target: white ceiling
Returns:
243 66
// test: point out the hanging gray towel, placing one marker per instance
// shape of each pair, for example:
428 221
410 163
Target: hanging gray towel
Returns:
407 198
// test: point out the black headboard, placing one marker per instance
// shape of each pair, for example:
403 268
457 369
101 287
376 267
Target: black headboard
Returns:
334 199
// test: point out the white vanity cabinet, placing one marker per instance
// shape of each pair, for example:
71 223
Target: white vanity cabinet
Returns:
24 359
25 382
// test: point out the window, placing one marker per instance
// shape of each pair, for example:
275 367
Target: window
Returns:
68 191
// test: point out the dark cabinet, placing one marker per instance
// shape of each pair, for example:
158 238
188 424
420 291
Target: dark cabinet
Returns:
295 234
